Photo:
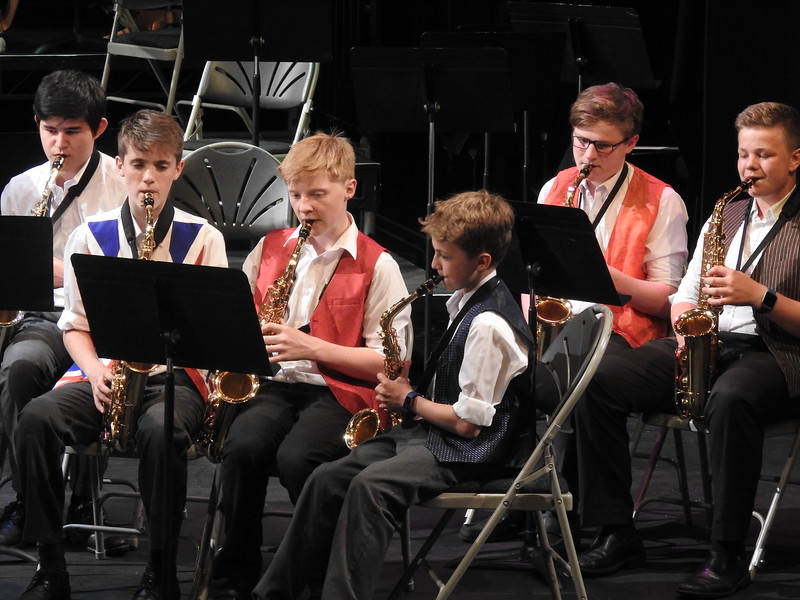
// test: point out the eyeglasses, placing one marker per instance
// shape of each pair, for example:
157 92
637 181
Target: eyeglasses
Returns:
603 148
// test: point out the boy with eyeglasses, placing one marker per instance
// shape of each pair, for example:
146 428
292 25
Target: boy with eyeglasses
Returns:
639 221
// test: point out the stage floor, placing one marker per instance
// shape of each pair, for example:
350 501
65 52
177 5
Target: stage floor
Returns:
673 549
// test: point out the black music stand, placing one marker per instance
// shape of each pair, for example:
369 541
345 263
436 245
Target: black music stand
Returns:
554 252
297 30
26 270
171 314
534 63
432 89
605 43
26 263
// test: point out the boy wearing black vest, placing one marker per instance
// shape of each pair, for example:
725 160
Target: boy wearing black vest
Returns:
461 423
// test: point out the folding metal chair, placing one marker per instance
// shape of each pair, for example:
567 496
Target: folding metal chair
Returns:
161 45
573 358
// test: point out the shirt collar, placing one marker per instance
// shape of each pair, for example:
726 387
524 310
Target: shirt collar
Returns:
459 298
773 212
347 242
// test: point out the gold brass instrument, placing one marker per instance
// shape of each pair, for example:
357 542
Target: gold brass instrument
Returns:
229 390
9 318
129 378
365 424
552 313
40 209
696 361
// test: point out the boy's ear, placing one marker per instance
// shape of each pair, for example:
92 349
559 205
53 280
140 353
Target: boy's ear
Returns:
484 261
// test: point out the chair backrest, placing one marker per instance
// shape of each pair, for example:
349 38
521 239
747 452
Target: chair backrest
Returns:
236 187
284 86
573 357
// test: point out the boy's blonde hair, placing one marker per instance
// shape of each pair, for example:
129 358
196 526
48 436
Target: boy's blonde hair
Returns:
772 114
321 153
476 222
146 129
609 102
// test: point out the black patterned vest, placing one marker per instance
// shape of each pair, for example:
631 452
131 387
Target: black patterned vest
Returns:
494 442
778 268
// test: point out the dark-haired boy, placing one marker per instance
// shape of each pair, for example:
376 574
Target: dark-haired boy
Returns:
69 111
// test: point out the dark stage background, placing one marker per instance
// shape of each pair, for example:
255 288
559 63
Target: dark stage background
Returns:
710 58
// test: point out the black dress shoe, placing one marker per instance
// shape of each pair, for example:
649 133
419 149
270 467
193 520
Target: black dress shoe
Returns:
47 586
620 549
11 523
227 589
510 527
150 587
721 575
83 513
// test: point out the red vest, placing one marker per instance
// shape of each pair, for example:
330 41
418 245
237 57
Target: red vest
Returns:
339 317
626 245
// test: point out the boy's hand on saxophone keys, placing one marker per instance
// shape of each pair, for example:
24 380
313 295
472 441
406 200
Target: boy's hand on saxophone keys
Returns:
100 378
285 343
729 286
392 393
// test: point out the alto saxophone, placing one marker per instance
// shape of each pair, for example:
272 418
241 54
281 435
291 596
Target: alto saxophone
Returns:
365 424
230 390
9 318
552 313
696 361
129 378
43 204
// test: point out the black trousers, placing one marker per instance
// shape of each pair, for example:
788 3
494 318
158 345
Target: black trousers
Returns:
749 392
33 361
288 429
67 416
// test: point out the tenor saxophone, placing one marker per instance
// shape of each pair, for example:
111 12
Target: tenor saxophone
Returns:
9 318
366 423
129 378
552 313
228 390
696 360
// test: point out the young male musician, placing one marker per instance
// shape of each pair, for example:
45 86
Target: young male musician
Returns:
639 221
150 147
328 348
465 425
69 109
758 371
640 225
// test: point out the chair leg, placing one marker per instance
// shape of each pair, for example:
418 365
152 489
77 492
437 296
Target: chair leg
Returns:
766 526
683 480
647 476
209 543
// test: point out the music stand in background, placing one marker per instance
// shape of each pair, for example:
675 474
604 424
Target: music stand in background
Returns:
26 273
279 30
554 252
605 43
432 89
169 314
534 64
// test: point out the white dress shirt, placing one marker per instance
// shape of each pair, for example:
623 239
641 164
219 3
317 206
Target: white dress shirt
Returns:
493 355
314 272
735 319
105 191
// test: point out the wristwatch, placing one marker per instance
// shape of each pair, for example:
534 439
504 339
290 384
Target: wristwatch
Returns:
768 301
409 401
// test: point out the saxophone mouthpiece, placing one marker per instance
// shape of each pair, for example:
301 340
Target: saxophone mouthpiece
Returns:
746 183
58 162
148 200
586 169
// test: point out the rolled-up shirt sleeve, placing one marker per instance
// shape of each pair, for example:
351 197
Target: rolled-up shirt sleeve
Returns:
493 356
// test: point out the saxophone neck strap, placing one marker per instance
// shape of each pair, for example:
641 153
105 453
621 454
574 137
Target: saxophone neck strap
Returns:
77 189
613 194
789 211
162 225
430 366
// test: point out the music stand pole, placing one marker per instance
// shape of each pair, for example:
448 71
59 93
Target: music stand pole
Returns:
168 542
432 108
